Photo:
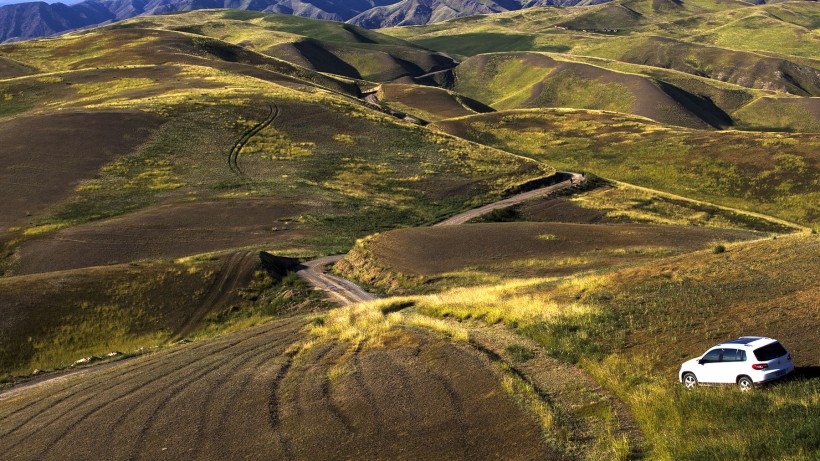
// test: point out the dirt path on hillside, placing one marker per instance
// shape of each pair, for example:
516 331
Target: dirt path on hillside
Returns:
346 292
469 215
236 271
233 155
341 290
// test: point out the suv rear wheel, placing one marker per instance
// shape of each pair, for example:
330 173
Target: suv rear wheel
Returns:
745 383
689 381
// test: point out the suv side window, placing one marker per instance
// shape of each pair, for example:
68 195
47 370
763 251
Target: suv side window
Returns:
712 356
734 355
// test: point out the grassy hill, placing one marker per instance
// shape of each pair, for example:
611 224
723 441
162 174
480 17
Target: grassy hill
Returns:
130 144
146 163
407 260
198 90
772 173
631 328
527 80
767 47
337 48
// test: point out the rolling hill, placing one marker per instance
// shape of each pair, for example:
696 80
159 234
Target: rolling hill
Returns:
559 206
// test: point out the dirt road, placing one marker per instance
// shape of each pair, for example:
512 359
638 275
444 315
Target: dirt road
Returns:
346 292
256 394
469 215
341 290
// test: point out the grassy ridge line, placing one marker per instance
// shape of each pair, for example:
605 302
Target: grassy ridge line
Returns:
734 168
798 227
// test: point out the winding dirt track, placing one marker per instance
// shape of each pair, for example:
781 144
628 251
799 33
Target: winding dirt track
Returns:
340 289
233 155
346 292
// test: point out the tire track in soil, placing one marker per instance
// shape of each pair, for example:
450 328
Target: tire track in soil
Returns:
252 349
248 367
233 155
400 369
327 395
231 403
458 406
372 404
236 268
87 385
274 403
240 360
128 392
302 382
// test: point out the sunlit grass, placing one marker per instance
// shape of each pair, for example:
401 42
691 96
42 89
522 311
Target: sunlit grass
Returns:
369 322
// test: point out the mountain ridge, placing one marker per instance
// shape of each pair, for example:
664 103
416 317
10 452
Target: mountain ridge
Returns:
23 21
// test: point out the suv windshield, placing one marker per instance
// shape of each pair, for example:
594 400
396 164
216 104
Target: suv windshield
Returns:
770 352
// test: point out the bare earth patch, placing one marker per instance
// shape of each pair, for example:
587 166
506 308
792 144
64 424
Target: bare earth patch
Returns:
431 251
165 231
44 157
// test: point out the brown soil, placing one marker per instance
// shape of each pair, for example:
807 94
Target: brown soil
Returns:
417 397
692 302
431 251
165 231
241 396
430 103
44 157
560 210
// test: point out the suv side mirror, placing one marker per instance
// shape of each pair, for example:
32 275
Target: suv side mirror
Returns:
701 361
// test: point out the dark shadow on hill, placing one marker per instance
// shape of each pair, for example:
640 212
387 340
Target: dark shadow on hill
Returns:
323 60
357 35
277 266
700 106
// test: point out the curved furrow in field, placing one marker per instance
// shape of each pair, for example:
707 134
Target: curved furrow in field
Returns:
248 387
274 408
54 400
114 401
98 403
375 417
228 366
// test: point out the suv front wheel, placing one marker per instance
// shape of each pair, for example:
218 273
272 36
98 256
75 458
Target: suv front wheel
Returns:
745 383
689 381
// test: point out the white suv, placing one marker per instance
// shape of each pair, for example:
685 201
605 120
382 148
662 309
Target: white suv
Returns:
746 361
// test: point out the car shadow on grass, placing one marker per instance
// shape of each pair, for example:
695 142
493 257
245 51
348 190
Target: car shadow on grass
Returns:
806 372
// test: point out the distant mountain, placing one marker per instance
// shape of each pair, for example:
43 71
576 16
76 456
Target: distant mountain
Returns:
419 12
12 2
39 19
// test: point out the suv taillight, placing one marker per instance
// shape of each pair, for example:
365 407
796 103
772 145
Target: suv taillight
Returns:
760 366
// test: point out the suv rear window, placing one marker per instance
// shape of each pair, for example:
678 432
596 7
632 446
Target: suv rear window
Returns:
770 352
